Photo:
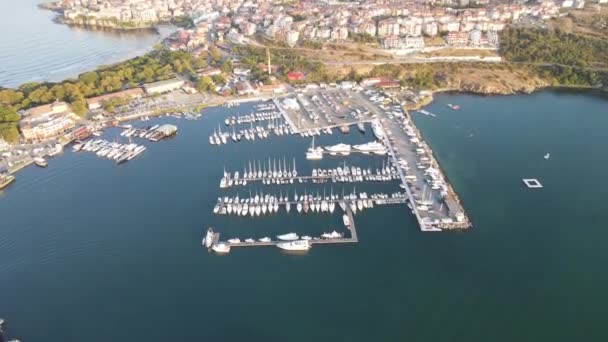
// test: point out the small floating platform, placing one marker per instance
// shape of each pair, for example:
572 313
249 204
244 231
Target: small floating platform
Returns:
532 183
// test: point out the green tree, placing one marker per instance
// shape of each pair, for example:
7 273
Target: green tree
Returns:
79 106
8 124
10 97
205 83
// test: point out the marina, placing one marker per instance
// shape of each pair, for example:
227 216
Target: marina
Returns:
408 164
168 193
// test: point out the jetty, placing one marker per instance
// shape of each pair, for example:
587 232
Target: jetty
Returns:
352 232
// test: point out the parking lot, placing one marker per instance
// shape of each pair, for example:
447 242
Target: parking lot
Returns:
324 108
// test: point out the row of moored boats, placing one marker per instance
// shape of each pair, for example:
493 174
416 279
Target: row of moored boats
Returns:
110 150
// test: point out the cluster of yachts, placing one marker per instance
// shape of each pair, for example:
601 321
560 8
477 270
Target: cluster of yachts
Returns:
111 150
373 147
253 117
262 204
252 133
274 173
289 241
145 133
353 174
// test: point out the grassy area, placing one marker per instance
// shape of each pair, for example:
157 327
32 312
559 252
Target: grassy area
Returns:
586 22
434 41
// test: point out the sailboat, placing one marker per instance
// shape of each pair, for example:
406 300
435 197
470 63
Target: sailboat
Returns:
314 153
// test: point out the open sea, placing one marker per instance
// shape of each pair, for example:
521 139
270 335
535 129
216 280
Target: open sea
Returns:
34 48
91 251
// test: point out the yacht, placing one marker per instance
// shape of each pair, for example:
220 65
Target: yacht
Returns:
332 235
221 248
40 162
371 147
299 245
288 237
208 239
378 130
342 149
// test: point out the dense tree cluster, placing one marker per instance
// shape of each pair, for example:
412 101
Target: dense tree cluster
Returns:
553 46
8 124
154 66
285 60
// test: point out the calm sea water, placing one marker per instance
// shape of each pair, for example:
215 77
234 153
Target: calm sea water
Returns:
34 48
91 251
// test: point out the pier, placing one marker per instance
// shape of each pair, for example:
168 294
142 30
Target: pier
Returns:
314 241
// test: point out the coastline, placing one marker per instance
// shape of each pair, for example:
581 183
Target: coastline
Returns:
428 95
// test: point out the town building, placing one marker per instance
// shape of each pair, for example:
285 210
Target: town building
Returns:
46 122
97 102
163 86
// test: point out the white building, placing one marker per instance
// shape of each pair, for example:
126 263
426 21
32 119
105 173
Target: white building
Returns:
430 28
163 86
292 37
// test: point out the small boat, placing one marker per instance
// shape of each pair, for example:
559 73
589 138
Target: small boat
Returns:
299 245
40 162
361 127
346 220
208 239
454 107
547 156
221 248
288 237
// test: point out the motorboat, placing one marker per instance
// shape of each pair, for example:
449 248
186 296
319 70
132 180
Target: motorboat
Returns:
371 147
342 149
208 239
332 235
298 245
346 220
221 248
288 237
40 162
265 239
235 240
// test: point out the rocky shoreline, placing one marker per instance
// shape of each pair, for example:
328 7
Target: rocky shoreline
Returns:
488 90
